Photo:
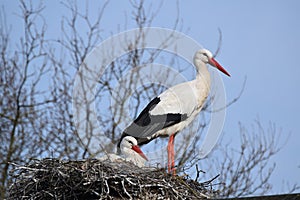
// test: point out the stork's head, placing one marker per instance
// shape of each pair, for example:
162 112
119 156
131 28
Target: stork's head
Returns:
129 143
206 57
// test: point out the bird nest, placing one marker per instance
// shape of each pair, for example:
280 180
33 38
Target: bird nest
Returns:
94 179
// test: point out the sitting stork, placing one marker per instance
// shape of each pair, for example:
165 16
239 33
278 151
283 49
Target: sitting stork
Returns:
129 151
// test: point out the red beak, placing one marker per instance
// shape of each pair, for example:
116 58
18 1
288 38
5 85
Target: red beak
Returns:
137 149
213 62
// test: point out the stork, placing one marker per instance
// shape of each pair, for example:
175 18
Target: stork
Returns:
175 108
130 151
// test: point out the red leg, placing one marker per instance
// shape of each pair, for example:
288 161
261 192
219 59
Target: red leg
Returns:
173 170
171 155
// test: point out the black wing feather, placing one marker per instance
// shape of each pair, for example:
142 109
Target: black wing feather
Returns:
145 125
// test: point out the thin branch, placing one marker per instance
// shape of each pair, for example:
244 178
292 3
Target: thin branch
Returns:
232 101
219 43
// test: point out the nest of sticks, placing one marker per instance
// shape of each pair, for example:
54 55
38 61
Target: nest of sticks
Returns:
94 179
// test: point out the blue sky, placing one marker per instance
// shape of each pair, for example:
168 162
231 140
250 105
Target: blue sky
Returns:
261 40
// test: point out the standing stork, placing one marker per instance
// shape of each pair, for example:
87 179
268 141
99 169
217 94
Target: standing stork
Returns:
175 108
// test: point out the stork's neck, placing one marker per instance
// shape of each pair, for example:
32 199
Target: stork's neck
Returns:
202 72
129 153
133 157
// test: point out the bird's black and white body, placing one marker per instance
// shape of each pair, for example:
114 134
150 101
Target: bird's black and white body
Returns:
175 108
130 152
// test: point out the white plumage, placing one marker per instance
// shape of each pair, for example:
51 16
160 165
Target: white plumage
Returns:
185 98
130 152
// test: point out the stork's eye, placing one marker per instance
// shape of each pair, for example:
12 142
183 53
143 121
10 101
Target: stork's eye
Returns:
130 142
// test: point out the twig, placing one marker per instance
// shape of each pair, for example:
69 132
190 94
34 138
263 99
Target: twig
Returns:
211 180
198 172
124 189
219 43
232 101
